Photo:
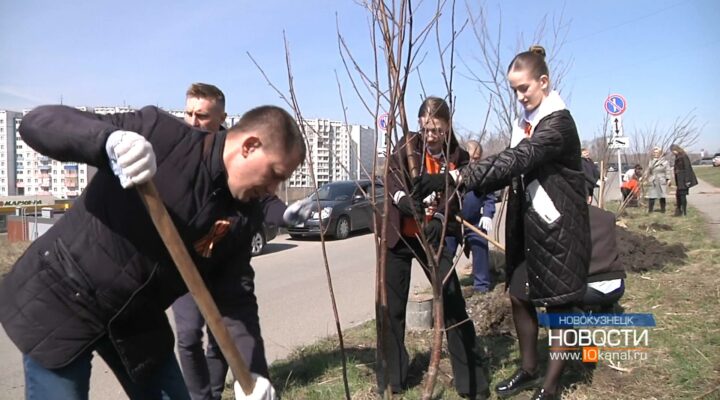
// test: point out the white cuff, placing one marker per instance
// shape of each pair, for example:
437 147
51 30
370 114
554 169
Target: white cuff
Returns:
455 174
398 195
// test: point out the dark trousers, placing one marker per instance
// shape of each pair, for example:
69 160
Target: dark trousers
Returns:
681 202
465 359
651 204
204 372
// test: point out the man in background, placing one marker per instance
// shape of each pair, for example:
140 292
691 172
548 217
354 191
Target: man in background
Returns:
591 171
204 372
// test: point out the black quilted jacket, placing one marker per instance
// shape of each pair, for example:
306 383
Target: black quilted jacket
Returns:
102 268
557 253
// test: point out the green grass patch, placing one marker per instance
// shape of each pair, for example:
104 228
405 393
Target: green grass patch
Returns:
709 174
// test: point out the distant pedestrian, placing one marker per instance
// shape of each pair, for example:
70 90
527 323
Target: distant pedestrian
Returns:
657 179
631 186
592 173
684 179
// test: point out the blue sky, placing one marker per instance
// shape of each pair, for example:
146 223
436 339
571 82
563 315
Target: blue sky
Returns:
661 55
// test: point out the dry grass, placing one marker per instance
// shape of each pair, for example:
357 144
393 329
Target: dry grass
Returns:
9 253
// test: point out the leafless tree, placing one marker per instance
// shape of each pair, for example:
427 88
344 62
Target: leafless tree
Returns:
292 100
489 67
397 49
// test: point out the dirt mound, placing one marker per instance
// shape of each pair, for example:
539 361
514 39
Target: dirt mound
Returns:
491 312
640 253
655 226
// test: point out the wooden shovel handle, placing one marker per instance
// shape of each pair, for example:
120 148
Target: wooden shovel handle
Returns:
479 232
196 286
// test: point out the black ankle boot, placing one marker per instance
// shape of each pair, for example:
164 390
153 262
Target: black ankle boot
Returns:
519 381
651 205
662 205
542 394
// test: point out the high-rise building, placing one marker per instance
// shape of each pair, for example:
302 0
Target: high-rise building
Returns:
36 174
338 152
7 151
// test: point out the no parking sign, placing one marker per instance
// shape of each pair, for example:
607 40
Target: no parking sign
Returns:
382 122
615 104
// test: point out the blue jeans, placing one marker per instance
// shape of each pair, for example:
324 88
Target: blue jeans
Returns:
72 382
480 259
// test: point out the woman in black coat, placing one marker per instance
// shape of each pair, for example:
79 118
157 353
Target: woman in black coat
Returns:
684 179
547 224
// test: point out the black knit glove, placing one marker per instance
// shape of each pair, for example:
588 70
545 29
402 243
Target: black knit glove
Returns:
405 205
425 184
433 231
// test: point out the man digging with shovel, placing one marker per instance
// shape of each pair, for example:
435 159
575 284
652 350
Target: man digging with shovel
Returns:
101 278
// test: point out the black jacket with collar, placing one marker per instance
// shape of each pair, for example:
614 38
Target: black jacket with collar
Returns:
557 253
399 180
102 269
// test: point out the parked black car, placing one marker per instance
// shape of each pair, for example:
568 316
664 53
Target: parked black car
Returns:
344 207
268 232
273 208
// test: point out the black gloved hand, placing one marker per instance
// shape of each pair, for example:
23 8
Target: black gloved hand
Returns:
433 230
466 247
425 184
406 204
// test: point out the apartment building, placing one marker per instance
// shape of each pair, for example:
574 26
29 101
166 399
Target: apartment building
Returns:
7 151
28 173
338 152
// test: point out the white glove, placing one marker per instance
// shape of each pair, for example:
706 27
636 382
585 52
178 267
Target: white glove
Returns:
131 156
297 212
263 390
486 224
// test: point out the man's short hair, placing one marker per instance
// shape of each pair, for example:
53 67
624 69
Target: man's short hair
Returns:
473 143
276 125
207 91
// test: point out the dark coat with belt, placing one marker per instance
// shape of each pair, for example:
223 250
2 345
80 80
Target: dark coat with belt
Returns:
684 175
399 180
102 269
557 252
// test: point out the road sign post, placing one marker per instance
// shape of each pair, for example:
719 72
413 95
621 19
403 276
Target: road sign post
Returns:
615 105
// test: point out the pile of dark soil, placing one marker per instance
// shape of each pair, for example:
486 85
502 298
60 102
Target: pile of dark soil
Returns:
491 312
640 253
